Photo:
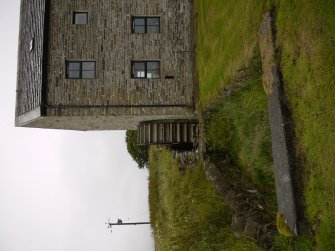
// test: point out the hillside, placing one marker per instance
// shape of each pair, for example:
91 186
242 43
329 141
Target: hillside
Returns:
234 119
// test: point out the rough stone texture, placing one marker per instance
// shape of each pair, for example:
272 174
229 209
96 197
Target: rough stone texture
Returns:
108 40
266 44
91 123
252 218
280 152
30 68
186 159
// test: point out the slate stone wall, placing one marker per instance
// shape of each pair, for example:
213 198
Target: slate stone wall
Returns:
108 40
30 62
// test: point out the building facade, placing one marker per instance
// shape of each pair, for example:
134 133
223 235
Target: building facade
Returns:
104 64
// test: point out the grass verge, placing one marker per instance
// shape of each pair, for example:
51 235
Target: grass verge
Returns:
238 125
226 42
185 211
306 42
226 39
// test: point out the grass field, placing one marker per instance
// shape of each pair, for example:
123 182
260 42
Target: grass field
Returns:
226 40
238 125
306 42
185 212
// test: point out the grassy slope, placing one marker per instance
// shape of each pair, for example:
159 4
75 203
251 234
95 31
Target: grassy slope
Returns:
306 39
239 126
185 211
227 42
226 38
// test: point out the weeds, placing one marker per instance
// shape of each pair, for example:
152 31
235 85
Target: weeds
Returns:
186 213
185 209
238 125
306 40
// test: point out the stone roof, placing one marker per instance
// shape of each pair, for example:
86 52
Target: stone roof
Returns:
31 53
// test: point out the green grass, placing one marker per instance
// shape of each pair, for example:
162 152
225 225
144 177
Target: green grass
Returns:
282 226
306 40
226 38
239 125
296 243
185 211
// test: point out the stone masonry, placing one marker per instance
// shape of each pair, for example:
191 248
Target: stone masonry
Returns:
114 100
30 64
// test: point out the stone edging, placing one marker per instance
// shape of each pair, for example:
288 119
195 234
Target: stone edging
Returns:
279 136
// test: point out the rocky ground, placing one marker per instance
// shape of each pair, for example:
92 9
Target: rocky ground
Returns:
252 217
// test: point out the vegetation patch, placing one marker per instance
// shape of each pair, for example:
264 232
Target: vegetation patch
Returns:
292 243
238 125
305 39
185 211
226 40
306 42
282 226
137 152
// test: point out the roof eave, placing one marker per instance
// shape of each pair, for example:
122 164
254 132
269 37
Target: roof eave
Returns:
28 117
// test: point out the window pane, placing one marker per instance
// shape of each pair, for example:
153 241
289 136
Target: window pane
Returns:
146 69
153 69
88 74
139 65
80 18
139 29
73 74
139 74
153 74
139 69
152 29
88 66
139 21
153 65
146 25
74 66
153 21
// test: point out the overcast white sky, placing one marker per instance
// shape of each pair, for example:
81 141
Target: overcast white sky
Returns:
57 188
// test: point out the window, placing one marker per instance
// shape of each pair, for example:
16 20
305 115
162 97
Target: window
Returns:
80 69
80 17
146 25
145 69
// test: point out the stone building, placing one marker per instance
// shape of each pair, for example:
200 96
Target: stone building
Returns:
106 64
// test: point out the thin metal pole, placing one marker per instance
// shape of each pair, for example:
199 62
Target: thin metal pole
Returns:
129 223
